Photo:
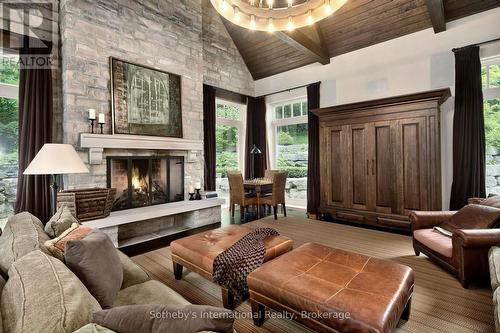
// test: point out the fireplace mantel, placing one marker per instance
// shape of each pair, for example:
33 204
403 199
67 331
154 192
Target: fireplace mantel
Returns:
96 143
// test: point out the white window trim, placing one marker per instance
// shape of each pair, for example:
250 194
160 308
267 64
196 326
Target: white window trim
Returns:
9 91
240 126
274 123
490 93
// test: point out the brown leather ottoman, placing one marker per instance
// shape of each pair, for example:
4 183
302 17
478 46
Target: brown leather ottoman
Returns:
319 286
198 252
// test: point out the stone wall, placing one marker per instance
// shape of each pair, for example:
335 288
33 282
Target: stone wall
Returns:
164 34
8 185
492 170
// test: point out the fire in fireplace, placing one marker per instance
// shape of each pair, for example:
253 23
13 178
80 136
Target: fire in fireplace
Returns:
145 181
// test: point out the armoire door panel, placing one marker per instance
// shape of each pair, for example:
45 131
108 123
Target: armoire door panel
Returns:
383 168
359 166
336 166
413 164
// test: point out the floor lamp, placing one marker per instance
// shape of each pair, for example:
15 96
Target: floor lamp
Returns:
254 152
55 159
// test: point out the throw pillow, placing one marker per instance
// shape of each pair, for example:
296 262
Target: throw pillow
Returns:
473 217
2 284
96 262
165 318
56 246
60 222
43 295
22 234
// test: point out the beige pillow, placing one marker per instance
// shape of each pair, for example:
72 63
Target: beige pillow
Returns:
2 284
60 222
95 261
56 246
22 234
165 318
43 295
493 201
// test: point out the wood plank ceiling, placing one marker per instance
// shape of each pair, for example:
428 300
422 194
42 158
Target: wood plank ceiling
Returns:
358 24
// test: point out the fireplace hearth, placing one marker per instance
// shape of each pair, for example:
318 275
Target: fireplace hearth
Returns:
145 180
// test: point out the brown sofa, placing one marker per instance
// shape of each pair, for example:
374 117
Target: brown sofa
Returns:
54 300
465 254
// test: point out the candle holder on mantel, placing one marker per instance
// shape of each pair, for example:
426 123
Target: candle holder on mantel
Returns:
92 125
192 196
101 125
197 196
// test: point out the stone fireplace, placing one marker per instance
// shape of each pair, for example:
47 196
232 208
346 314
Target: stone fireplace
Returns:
145 180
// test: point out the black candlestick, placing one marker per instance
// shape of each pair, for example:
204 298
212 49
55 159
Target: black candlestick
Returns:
92 125
197 195
191 196
101 124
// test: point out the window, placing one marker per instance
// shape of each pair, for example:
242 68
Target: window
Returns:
491 91
9 120
289 147
230 142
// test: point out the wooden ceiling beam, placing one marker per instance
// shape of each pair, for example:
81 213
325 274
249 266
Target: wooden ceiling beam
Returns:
436 12
304 44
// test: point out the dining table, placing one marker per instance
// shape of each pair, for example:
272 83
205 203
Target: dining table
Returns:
259 186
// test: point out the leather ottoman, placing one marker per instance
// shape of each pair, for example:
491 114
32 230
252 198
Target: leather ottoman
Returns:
198 252
331 290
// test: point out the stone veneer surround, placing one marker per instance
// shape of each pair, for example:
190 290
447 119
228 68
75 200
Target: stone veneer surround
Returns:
164 34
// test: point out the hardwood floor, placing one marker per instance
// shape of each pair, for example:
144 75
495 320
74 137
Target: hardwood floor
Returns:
440 304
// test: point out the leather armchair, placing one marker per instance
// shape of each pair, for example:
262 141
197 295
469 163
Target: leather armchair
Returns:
465 254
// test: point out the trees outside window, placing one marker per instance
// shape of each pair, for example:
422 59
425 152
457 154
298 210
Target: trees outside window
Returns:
289 147
9 123
491 91
230 141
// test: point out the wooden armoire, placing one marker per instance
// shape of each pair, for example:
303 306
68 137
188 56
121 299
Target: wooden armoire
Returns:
381 159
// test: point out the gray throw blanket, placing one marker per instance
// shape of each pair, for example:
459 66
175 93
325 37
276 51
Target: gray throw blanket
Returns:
232 266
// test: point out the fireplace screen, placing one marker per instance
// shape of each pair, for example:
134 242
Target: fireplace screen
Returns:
145 181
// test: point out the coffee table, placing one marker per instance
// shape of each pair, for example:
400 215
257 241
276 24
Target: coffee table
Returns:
198 252
331 290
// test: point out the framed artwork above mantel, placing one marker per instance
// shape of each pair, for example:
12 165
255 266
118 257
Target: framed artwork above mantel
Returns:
145 100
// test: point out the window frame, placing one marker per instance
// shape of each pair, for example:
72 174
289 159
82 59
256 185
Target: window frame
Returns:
275 123
239 124
490 93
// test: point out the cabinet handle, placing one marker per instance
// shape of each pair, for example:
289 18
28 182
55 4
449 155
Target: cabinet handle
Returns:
368 167
373 167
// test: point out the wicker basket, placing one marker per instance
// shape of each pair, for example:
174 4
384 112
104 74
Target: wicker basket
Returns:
88 204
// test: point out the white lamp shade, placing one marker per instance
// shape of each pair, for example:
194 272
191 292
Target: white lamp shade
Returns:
56 159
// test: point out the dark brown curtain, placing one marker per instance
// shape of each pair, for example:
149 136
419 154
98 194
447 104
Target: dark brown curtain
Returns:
209 123
35 129
313 197
469 163
256 135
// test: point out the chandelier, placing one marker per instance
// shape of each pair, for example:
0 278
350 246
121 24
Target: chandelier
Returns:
276 15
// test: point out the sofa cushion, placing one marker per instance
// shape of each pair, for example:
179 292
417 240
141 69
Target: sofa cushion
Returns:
2 284
150 292
434 241
43 295
496 309
57 245
473 217
494 263
493 201
62 220
132 273
95 261
94 328
156 318
22 234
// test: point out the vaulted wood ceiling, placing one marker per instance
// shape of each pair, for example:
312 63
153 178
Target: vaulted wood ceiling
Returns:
358 24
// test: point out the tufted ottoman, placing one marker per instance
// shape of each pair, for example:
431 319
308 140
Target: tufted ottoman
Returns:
332 290
198 252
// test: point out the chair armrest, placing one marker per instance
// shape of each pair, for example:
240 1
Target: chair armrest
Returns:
477 237
475 201
426 220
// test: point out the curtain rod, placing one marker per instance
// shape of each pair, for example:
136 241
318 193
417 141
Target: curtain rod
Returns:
477 44
287 90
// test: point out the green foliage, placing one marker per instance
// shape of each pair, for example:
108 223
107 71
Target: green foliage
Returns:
226 138
228 112
294 170
492 122
9 120
226 161
285 139
9 71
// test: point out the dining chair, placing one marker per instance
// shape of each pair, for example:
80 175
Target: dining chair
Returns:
277 197
237 195
269 174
